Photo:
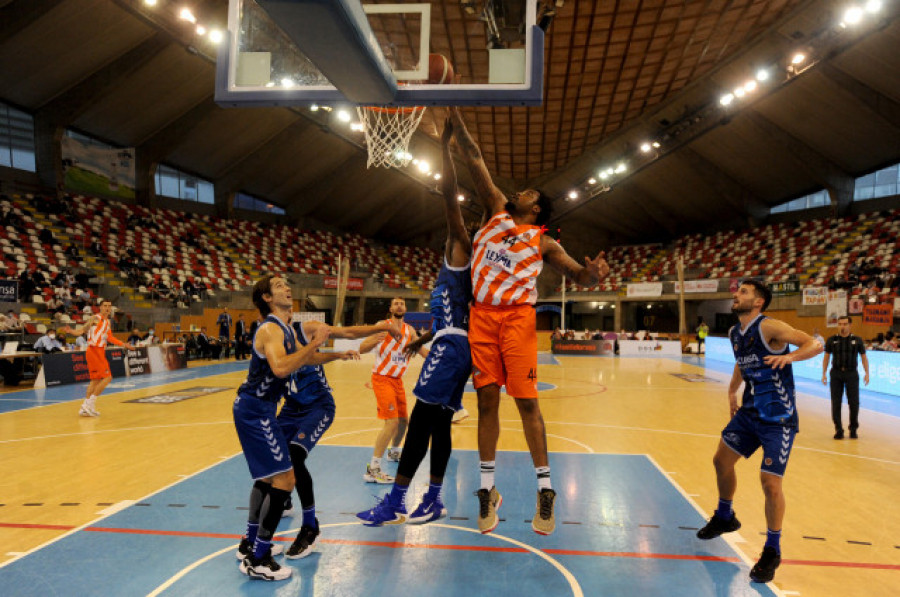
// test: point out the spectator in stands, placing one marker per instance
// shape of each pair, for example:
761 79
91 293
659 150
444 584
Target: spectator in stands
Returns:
82 298
13 321
597 335
209 347
26 285
96 249
569 334
135 337
157 259
150 339
188 287
557 334
82 278
72 251
890 342
46 237
48 342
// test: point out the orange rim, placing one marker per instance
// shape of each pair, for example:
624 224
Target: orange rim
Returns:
390 110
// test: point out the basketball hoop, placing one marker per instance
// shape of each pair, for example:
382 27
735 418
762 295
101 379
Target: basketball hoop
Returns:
388 131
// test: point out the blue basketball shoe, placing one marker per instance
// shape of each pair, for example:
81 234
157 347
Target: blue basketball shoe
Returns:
385 512
429 510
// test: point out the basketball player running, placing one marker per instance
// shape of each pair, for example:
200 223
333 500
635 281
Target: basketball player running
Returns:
443 377
508 254
307 414
767 416
391 362
274 357
99 333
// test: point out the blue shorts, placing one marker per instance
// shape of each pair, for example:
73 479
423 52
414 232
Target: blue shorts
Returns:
744 435
445 372
305 424
263 443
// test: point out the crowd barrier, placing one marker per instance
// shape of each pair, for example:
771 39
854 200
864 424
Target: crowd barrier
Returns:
60 368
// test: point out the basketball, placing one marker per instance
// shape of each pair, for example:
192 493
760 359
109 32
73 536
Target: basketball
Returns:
440 71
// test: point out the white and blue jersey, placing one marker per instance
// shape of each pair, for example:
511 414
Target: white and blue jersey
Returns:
308 409
768 413
254 410
768 393
449 362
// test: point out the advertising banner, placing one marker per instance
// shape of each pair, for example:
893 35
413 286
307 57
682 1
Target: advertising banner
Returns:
698 286
835 307
645 289
352 283
878 314
61 368
591 347
786 288
815 295
98 170
649 348
9 291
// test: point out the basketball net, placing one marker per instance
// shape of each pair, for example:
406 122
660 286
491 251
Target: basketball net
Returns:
388 131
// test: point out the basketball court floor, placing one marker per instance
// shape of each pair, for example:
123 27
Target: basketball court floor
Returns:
150 499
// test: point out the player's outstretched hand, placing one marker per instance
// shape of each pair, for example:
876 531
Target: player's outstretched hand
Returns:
778 361
349 355
598 267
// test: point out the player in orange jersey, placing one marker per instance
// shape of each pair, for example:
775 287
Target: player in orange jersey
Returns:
99 333
508 254
391 362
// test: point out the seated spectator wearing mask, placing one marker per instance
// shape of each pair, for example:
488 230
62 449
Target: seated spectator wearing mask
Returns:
48 342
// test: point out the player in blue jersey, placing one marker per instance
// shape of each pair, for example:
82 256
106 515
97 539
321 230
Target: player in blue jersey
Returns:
274 357
767 416
443 377
308 413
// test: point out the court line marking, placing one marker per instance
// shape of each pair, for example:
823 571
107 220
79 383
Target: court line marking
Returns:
567 575
74 530
731 543
586 447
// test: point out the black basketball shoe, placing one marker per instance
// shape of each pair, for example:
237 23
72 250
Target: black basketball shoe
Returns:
716 526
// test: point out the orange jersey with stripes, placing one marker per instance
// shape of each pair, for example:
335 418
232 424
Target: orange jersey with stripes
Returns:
390 356
506 262
98 333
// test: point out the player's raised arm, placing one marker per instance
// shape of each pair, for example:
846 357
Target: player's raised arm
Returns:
78 331
459 246
371 342
489 195
779 331
588 274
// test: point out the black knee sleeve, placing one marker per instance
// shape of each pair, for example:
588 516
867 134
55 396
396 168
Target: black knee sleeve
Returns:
270 515
441 442
418 435
302 476
257 496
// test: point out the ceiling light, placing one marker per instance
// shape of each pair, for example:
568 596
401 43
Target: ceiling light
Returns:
873 6
314 108
762 75
573 194
649 306
343 116
750 86
287 82
798 58
604 175
201 30
357 126
655 144
460 198
592 180
150 2
726 99
853 15
216 36
739 92
187 15
621 168
437 175
415 161
423 166
645 147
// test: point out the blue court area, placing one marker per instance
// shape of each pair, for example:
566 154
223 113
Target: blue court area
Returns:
31 398
868 400
622 529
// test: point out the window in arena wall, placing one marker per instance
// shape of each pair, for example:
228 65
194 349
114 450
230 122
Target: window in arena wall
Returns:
811 201
251 203
882 183
16 139
174 183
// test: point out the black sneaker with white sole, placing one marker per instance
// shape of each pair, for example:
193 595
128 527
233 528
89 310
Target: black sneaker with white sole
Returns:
246 548
764 570
716 526
264 568
304 544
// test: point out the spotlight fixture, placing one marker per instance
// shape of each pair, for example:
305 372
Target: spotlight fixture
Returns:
216 36
762 75
621 167
460 198
314 108
150 2
573 194
798 58
592 180
750 86
873 6
343 116
187 15
201 30
437 175
853 15
726 99
646 147
655 145
423 166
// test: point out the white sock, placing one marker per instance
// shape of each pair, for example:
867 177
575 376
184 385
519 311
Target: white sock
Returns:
543 477
375 463
487 473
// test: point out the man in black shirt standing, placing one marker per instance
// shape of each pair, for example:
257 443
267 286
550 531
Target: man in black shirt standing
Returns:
844 346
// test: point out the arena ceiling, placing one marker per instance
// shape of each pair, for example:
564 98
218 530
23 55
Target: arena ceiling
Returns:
617 74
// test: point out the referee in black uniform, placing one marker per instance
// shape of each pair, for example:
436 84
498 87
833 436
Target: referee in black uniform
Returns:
844 346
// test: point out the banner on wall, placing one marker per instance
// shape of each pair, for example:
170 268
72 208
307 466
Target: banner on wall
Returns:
645 289
352 283
9 291
855 306
878 314
698 286
786 288
308 316
98 170
815 295
897 307
835 307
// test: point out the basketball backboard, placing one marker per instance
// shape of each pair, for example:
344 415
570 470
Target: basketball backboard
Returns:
377 53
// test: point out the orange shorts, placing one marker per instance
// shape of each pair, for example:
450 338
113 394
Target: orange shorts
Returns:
98 366
390 396
504 348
